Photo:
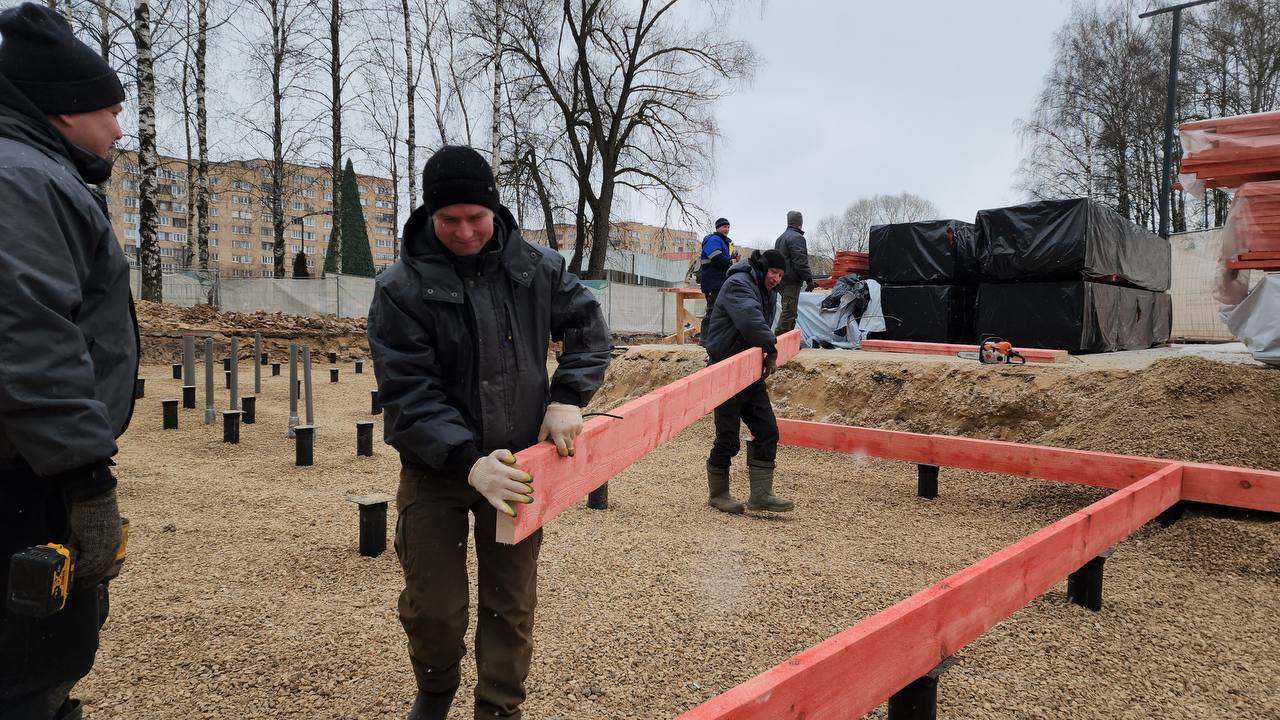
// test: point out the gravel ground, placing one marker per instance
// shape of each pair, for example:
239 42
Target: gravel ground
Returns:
244 595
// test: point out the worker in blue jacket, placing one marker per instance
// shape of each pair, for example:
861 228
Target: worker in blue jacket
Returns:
717 257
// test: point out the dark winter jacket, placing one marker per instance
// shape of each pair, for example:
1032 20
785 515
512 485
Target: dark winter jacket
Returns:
460 345
743 315
714 261
795 249
68 334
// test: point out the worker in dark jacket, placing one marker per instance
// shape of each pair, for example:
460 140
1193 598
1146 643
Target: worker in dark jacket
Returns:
792 245
743 319
68 346
459 329
714 261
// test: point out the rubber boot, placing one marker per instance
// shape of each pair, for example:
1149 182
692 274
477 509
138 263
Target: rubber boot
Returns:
718 483
762 497
432 705
70 710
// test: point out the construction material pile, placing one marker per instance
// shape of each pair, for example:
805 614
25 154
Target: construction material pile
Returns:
847 263
928 273
160 317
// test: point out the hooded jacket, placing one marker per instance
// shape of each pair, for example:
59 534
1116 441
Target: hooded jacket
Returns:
743 315
460 345
68 333
795 249
714 261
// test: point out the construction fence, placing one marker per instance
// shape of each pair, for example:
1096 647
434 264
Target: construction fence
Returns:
629 309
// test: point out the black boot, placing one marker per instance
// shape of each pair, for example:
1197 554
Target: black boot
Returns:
762 498
718 485
432 705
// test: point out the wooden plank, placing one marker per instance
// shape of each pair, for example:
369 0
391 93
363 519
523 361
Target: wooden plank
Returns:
1035 461
849 674
1231 486
925 348
1253 264
608 445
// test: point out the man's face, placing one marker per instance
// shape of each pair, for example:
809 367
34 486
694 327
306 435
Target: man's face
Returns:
94 131
723 229
464 229
773 277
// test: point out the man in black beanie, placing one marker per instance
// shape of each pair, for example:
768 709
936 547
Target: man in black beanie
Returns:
743 318
459 329
69 348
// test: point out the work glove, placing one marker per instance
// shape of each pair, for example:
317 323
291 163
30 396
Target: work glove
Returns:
810 284
562 423
770 365
501 482
96 536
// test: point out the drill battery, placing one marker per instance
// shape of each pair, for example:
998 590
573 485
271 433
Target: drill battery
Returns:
39 580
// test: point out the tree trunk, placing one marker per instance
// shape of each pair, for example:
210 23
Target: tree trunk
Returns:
189 254
411 92
202 139
600 211
544 199
335 113
277 145
149 250
495 126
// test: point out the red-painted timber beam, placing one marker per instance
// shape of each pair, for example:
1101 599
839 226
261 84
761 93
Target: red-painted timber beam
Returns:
950 349
1216 484
849 674
608 445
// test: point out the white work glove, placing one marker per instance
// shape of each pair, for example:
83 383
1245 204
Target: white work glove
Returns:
501 482
562 423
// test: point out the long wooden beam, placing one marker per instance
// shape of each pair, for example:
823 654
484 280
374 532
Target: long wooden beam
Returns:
1034 461
849 674
950 349
608 445
1217 484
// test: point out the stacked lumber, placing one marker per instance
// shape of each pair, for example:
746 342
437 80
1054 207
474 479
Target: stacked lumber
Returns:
1231 151
1254 226
847 262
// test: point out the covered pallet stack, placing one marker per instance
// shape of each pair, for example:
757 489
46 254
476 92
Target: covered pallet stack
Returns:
928 272
1072 275
1241 153
847 262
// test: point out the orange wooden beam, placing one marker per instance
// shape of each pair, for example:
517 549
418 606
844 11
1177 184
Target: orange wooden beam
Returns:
950 349
1035 461
849 674
608 445
1231 486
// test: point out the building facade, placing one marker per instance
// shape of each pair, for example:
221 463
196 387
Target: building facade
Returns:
241 225
663 242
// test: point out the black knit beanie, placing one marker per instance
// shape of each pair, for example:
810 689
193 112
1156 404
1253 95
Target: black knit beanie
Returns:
720 222
43 59
774 260
457 175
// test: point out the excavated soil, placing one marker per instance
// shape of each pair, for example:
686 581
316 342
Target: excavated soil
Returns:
244 595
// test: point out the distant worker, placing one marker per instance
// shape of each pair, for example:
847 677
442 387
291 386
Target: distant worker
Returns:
716 258
743 318
795 249
459 329
68 349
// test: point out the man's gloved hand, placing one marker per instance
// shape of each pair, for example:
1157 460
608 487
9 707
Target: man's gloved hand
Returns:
562 423
96 535
497 477
810 284
770 365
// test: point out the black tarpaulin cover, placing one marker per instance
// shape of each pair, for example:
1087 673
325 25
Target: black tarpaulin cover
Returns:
1078 316
1069 240
933 251
928 313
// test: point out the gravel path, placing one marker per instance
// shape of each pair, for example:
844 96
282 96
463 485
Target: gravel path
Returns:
244 595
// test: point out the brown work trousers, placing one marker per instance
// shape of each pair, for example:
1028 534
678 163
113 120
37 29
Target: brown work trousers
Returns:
431 542
790 305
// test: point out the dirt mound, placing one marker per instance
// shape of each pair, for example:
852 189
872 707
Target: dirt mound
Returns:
162 327
1185 408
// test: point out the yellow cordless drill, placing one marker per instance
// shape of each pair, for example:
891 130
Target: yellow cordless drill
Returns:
40 577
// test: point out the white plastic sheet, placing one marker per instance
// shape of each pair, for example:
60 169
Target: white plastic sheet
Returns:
1256 320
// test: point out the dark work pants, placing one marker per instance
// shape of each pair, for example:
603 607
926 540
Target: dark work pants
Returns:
431 542
751 406
790 306
710 295
40 659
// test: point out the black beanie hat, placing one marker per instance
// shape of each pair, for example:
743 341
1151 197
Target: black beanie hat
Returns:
456 174
720 221
774 260
46 62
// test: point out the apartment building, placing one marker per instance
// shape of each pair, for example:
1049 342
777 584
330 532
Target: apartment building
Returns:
241 225
663 242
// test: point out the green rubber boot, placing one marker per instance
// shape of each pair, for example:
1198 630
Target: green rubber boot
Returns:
762 497
718 484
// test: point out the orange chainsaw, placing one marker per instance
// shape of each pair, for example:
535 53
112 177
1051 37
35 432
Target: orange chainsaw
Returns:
994 351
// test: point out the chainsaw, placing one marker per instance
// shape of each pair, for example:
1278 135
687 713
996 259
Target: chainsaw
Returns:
994 351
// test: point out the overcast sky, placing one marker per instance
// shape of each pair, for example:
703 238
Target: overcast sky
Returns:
861 98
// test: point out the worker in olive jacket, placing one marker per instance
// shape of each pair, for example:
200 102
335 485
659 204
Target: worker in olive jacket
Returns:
459 328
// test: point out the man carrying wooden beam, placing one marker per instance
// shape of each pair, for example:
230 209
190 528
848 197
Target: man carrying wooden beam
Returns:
743 318
459 330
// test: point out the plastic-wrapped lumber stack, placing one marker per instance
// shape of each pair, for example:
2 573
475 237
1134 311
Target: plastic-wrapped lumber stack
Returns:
1240 152
927 273
1072 275
847 261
